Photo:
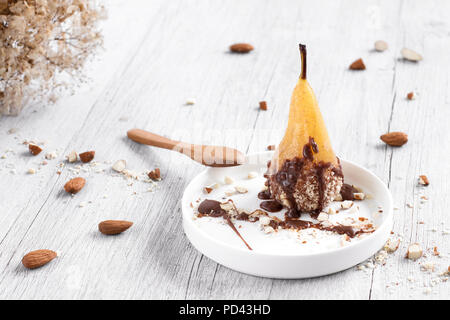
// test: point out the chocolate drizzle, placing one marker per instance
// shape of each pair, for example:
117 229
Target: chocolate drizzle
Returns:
271 206
264 195
292 170
212 208
347 192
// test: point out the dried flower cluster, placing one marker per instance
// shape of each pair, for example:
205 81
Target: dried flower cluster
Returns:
40 41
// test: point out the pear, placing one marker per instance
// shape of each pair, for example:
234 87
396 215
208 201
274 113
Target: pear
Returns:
304 175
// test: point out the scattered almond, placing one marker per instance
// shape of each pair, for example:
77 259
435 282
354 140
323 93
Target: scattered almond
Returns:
357 65
119 165
51 155
414 251
381 45
410 55
395 138
31 171
271 147
72 157
111 227
241 48
74 185
411 96
322 216
331 210
38 258
263 105
87 156
190 102
423 180
34 149
436 251
155 174
392 245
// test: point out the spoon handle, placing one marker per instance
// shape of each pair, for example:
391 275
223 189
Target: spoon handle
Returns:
151 139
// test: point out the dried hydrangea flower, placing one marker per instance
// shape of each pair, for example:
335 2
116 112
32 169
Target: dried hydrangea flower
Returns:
39 41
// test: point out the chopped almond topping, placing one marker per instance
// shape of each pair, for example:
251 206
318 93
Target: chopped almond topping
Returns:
263 105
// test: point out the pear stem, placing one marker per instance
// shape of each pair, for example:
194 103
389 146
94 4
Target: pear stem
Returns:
303 57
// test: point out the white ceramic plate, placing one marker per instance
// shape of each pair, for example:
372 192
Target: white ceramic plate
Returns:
284 254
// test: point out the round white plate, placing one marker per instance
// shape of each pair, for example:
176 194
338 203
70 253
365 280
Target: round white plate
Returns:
284 254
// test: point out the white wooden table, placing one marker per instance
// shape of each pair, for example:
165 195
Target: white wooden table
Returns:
160 53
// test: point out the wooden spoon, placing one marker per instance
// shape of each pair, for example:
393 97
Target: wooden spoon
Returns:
213 156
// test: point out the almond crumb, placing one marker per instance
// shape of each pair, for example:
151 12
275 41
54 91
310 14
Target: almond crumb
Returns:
414 251
252 175
87 156
423 180
411 96
322 216
358 65
359 196
34 149
392 245
72 157
346 204
271 147
155 174
119 165
228 180
207 190
241 189
263 105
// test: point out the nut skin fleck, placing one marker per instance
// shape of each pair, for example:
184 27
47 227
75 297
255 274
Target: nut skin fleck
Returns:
263 105
357 65
155 174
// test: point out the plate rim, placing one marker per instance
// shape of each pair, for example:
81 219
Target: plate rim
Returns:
387 222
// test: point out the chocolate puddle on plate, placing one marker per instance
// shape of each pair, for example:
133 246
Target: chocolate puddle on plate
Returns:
213 208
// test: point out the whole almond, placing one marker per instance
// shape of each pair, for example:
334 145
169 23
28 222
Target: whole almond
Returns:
357 65
74 185
111 227
241 48
38 258
34 149
396 139
87 156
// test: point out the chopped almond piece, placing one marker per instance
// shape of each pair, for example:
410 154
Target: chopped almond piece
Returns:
87 156
263 105
414 251
34 149
271 147
155 174
423 180
358 65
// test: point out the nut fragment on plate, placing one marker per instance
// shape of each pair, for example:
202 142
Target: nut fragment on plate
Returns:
87 156
207 190
380 45
34 149
119 165
331 210
322 216
414 251
346 204
31 171
155 174
394 138
358 65
51 155
74 185
263 105
359 196
112 227
410 55
38 258
228 180
252 174
241 189
190 101
423 180
271 147
411 96
392 245
72 157
241 48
